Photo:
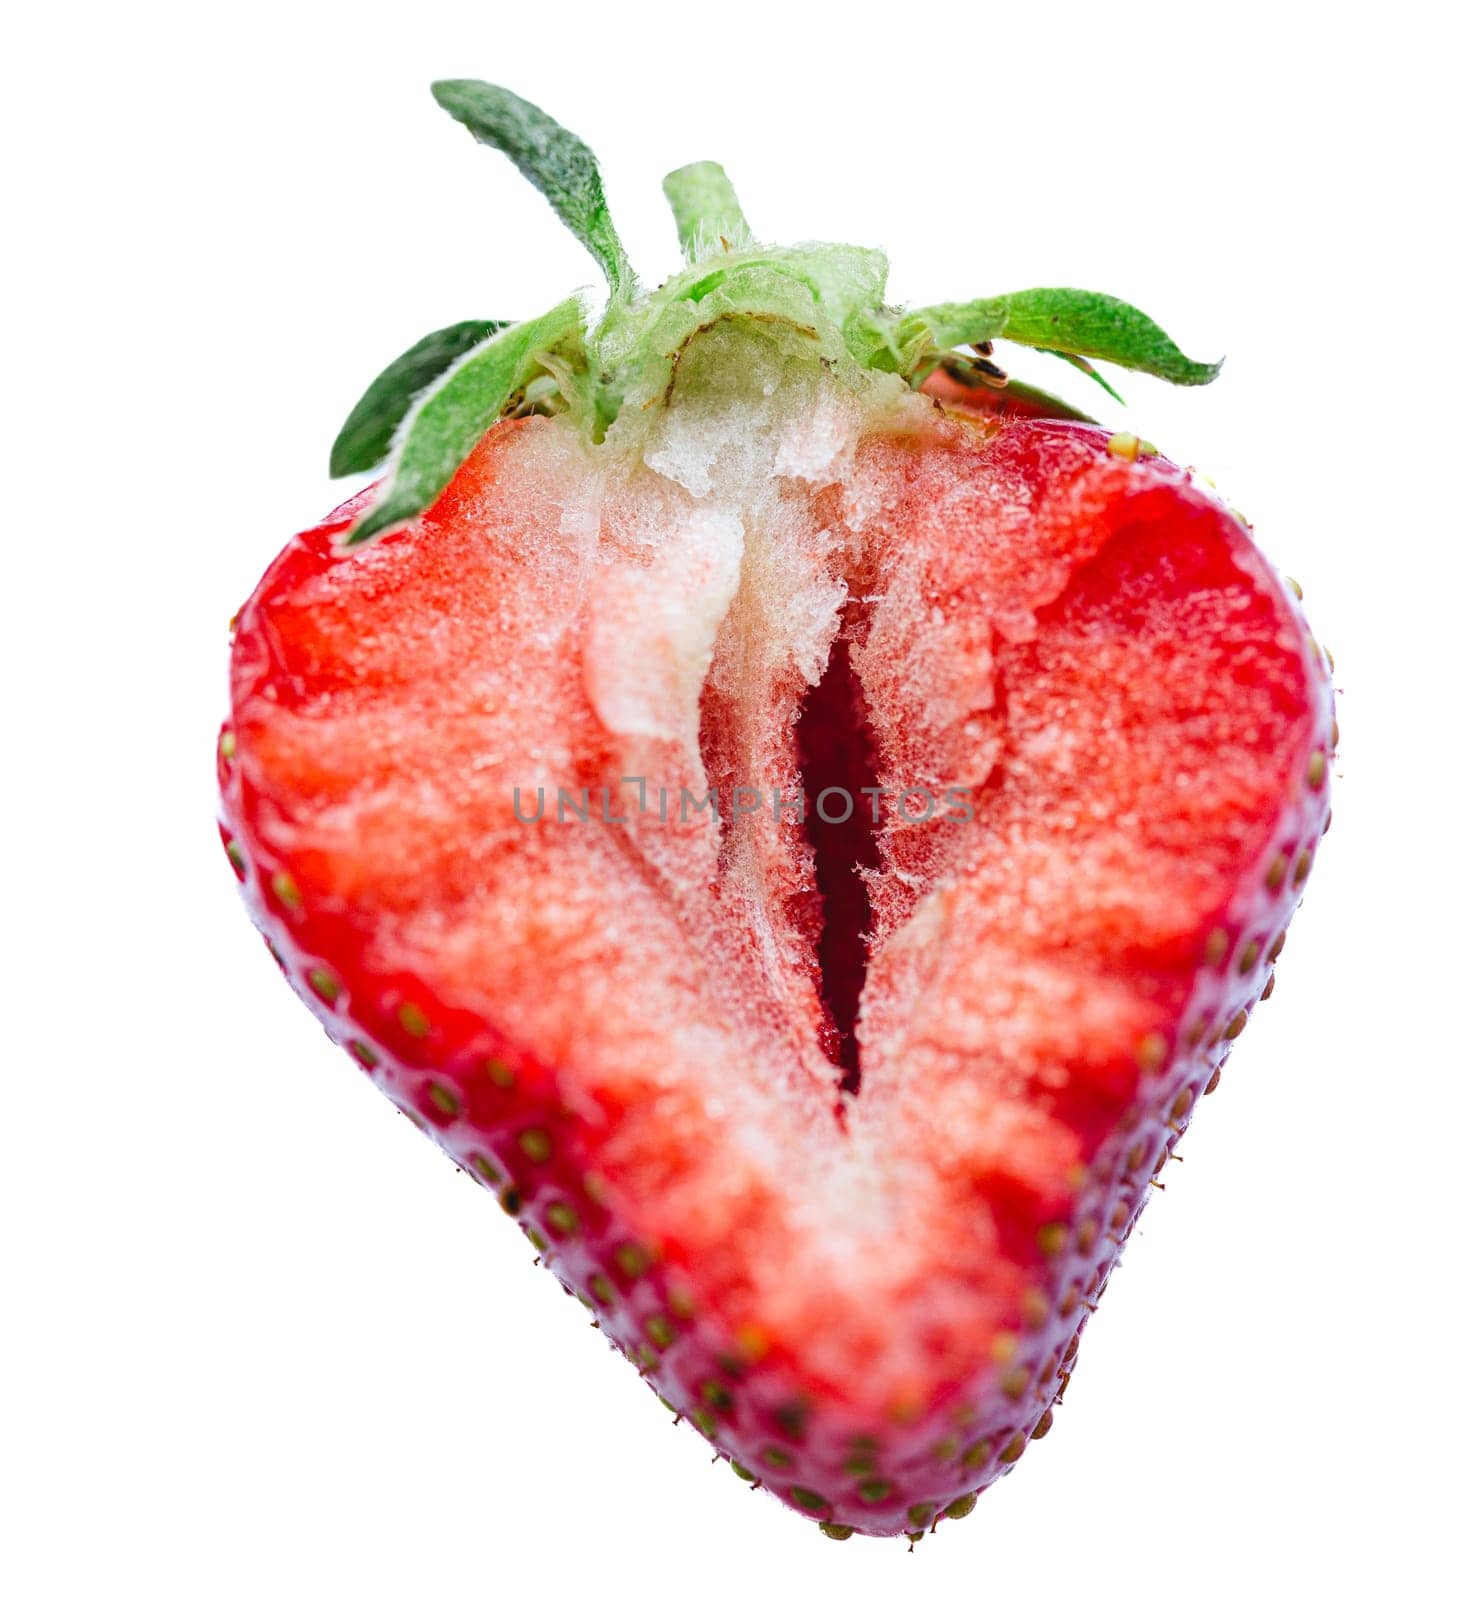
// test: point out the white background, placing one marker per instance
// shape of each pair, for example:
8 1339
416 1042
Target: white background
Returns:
259 1338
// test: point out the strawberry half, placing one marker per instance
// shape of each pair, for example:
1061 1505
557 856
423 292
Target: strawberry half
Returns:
804 844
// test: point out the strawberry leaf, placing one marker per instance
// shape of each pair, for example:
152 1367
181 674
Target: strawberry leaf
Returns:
446 422
558 164
1073 322
364 440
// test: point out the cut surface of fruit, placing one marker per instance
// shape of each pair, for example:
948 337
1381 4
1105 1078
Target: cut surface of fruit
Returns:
838 1125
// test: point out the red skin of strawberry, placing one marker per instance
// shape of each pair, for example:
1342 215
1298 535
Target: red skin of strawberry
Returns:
1147 727
982 399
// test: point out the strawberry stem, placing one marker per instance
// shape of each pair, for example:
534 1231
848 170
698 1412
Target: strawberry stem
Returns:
706 209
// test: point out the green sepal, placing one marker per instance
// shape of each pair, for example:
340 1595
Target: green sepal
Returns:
365 439
446 423
1044 404
1067 321
558 164
1089 370
893 341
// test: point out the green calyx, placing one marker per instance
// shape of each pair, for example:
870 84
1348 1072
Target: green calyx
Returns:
426 412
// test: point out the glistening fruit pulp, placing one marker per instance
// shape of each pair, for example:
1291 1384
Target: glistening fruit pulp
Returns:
869 1108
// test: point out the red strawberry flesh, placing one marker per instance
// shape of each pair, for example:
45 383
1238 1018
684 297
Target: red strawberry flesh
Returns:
839 1128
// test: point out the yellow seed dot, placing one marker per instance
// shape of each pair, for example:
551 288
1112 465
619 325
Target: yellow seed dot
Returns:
1044 1423
1278 870
1236 1026
1249 959
1015 1383
1268 988
808 1499
906 1408
1182 1104
1152 1052
228 745
1315 773
1302 868
1035 1309
443 1099
413 1019
1276 949
536 1144
752 1341
325 985
499 1072
1003 1348
286 891
1012 1450
631 1260
1052 1237
1217 943
1124 445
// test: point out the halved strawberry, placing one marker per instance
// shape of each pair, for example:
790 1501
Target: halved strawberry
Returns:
804 847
